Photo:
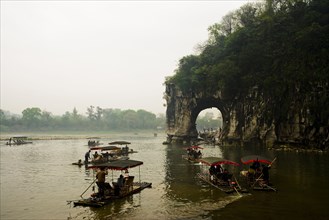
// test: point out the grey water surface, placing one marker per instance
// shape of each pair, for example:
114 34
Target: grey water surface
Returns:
38 179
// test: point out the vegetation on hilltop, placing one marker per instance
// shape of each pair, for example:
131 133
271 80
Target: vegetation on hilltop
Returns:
280 47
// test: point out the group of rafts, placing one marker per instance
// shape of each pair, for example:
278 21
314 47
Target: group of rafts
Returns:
109 192
214 173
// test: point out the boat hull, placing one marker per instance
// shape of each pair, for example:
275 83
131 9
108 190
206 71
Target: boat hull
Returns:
225 188
99 202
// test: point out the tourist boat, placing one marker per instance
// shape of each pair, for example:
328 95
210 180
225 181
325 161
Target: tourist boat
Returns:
254 177
224 181
113 193
18 140
193 154
124 150
106 154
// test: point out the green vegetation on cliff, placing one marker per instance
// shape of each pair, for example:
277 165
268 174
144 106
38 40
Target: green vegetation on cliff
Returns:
280 47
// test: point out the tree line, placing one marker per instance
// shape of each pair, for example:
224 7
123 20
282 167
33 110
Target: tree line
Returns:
95 119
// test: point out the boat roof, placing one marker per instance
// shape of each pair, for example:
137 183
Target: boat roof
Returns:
252 158
120 142
18 137
105 148
213 161
118 164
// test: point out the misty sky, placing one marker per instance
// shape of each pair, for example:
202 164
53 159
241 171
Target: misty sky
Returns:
57 55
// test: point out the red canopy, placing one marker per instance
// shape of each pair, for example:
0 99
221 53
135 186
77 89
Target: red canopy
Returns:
253 158
214 161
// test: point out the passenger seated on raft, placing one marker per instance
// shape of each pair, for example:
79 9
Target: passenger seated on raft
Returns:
212 170
118 185
226 176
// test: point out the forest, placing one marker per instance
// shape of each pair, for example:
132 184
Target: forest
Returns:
279 47
94 119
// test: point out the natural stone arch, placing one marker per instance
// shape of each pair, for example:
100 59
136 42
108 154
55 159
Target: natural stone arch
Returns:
247 117
183 110
207 103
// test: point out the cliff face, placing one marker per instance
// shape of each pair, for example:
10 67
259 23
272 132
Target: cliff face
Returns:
251 117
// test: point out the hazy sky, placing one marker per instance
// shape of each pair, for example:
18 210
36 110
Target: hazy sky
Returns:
57 55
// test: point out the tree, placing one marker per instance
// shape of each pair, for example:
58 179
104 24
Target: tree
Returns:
32 116
91 113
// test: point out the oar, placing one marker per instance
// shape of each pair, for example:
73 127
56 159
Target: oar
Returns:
271 188
237 183
88 187
262 173
238 186
237 191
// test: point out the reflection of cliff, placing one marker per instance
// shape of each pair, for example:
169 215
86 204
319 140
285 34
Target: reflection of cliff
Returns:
180 175
185 195
249 117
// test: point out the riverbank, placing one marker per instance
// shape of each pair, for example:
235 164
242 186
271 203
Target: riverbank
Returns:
63 135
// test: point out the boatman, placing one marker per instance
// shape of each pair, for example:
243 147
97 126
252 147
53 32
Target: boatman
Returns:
266 174
101 181
87 156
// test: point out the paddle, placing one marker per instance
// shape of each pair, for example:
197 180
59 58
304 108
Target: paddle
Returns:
88 187
237 191
237 182
235 187
262 173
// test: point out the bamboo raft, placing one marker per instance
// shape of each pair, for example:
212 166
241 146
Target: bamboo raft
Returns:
94 201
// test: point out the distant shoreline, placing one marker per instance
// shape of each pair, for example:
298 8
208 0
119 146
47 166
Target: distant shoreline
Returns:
76 136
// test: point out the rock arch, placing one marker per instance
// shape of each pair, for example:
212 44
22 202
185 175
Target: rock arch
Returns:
183 110
246 118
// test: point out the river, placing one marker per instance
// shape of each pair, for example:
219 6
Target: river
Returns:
38 179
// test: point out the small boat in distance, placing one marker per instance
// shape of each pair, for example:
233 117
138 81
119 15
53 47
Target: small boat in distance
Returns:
114 192
94 141
18 140
106 154
124 150
193 154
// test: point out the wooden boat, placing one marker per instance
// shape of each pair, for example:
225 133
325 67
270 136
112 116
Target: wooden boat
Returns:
223 181
124 150
254 177
94 141
107 154
193 154
111 194
18 140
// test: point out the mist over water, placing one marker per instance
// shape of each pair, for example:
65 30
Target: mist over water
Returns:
37 180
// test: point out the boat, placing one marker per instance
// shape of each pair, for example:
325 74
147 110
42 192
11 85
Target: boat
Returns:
222 180
113 193
193 154
106 154
124 150
254 177
93 141
18 140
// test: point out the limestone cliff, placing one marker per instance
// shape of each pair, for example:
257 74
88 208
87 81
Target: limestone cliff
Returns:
251 117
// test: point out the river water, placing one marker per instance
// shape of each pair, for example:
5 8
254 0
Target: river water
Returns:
38 179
